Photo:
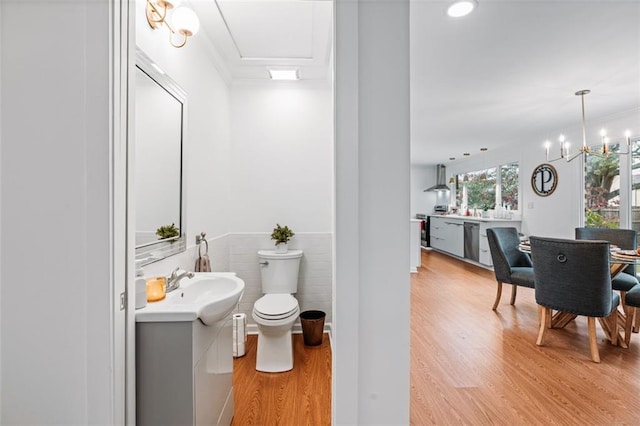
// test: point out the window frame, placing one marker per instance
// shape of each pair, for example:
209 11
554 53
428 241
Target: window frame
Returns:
461 186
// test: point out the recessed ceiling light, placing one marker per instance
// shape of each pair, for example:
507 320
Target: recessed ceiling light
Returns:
483 149
284 74
466 154
461 8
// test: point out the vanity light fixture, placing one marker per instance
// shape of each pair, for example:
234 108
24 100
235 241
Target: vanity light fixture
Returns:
182 20
286 74
586 149
461 8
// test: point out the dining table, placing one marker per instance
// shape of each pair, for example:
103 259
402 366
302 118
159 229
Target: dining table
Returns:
618 261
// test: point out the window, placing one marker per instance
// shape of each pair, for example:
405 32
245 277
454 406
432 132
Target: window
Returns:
484 189
635 186
603 200
509 179
602 190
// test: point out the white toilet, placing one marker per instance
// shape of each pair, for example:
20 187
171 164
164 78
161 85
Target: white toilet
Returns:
277 310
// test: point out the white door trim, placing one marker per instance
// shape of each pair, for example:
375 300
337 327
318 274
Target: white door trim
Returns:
122 273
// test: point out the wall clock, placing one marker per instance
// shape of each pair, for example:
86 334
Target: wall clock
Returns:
544 180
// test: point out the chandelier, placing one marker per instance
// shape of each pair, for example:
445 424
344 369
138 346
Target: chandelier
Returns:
603 151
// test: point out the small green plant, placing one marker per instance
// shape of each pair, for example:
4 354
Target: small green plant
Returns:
167 231
596 220
281 234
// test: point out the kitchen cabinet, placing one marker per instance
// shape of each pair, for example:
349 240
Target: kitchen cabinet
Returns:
485 252
447 235
415 251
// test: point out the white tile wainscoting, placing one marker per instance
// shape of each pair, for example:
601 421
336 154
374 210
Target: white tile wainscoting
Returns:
314 283
218 253
238 252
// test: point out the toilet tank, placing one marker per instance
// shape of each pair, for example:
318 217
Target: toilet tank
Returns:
279 271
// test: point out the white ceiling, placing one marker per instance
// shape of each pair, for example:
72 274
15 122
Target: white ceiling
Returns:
251 35
508 72
505 74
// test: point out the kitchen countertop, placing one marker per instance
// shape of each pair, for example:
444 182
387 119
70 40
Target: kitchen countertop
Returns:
474 219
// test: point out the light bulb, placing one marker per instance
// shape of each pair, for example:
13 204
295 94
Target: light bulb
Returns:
185 21
461 8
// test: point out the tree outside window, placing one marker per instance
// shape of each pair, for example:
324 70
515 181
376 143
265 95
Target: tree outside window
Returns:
509 179
602 190
482 187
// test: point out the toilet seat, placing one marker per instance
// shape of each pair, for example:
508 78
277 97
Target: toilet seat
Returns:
272 307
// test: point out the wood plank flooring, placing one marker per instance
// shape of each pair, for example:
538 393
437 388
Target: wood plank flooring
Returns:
298 397
470 365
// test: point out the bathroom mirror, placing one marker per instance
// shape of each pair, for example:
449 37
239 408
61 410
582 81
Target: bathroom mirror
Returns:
159 128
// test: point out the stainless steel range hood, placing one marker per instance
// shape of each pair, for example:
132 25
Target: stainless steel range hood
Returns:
441 179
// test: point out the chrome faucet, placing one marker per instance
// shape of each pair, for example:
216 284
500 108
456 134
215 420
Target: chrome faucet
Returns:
173 281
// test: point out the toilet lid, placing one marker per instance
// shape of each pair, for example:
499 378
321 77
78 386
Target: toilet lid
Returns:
275 306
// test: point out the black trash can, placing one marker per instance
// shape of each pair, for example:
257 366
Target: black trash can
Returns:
312 327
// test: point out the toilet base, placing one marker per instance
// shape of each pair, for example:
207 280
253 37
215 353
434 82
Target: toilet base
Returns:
275 353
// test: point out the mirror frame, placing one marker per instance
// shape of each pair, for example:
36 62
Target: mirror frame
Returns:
157 250
537 178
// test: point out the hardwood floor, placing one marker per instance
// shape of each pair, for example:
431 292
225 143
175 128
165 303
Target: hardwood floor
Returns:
298 397
470 365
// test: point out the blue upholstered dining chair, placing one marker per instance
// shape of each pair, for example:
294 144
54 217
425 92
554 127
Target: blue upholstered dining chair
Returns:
573 276
626 239
510 265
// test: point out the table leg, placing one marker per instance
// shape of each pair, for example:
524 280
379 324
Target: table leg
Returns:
561 319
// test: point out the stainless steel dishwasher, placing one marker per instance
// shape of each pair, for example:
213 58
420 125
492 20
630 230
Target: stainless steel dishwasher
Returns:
472 241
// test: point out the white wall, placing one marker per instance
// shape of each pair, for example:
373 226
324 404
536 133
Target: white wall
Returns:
207 139
371 299
282 156
55 270
422 177
558 214
282 172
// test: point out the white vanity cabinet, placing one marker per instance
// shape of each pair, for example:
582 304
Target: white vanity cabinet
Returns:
184 373
447 235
